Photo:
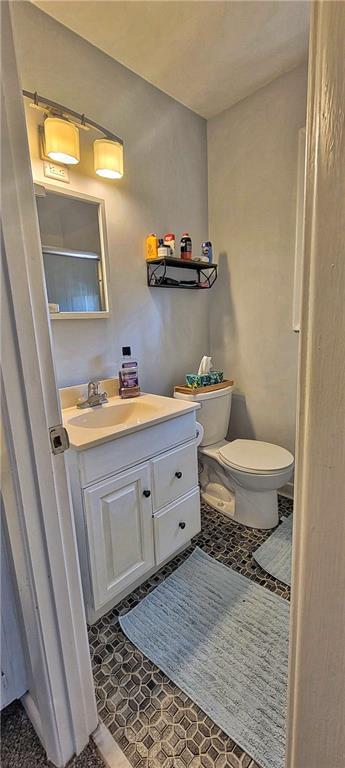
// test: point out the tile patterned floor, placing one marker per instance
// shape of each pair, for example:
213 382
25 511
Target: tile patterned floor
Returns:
153 721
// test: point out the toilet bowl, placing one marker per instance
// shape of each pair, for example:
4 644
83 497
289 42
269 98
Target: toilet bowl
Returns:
239 478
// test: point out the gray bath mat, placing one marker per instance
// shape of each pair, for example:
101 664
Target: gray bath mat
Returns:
224 641
275 554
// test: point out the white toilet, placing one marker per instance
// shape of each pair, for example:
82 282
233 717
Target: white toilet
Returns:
239 478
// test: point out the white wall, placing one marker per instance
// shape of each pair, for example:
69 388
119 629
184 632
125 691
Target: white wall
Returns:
252 169
252 165
164 189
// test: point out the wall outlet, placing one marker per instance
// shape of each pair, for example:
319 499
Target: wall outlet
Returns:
55 171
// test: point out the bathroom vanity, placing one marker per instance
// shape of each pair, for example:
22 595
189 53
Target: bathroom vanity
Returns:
134 482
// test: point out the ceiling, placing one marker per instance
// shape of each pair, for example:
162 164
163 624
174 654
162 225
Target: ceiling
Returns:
206 54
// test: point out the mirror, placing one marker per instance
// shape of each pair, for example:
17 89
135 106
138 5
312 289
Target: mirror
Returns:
72 237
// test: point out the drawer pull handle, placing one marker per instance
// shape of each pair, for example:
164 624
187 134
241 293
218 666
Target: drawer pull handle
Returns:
182 525
178 475
147 493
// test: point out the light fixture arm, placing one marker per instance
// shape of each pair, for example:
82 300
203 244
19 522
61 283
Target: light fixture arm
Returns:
83 120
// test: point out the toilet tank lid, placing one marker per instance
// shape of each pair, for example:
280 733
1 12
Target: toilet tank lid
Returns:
256 456
198 397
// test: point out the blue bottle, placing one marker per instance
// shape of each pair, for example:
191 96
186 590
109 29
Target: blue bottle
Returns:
206 250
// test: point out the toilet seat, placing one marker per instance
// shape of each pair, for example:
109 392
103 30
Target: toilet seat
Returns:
255 457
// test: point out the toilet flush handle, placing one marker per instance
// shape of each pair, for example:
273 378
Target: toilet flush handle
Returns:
178 475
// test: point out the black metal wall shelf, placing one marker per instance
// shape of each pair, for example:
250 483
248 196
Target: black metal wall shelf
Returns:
158 274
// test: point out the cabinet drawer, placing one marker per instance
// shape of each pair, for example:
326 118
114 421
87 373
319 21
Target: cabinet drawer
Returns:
111 457
176 524
174 473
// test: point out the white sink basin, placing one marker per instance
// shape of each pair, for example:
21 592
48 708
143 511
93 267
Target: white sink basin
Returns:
122 412
118 417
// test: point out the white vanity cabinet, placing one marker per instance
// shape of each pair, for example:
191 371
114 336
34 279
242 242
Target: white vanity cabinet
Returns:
136 503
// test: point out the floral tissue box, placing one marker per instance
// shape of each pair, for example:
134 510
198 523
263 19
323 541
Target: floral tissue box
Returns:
195 380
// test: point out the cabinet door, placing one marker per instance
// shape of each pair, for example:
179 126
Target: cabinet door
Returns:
120 532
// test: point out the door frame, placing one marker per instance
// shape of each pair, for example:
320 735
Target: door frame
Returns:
44 525
316 706
41 531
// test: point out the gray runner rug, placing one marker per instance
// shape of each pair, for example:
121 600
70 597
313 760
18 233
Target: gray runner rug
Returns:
275 554
223 639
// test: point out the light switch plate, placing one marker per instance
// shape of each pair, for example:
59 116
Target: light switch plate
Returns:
55 171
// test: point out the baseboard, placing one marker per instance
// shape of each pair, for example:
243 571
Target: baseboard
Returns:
108 749
287 491
33 714
106 745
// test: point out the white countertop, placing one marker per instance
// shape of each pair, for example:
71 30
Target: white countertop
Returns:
88 427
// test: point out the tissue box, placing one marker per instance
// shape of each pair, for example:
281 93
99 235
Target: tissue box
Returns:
194 380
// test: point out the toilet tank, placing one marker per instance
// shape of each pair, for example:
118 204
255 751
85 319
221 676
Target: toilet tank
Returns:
214 413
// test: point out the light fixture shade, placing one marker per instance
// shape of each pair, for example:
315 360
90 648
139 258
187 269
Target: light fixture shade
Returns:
108 158
61 140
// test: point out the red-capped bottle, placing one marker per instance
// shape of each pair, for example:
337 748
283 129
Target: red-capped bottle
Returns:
186 247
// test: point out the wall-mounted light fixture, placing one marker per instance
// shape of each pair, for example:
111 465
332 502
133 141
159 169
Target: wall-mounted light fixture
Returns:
61 138
108 158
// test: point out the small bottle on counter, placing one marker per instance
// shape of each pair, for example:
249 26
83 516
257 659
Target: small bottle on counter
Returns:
186 247
128 375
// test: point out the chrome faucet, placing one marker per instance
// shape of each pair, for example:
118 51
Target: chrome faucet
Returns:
94 396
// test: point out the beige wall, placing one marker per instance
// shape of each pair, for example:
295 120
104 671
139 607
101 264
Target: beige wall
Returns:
164 189
252 165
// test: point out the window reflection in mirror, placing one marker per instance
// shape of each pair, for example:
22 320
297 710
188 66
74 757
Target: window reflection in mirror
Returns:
73 252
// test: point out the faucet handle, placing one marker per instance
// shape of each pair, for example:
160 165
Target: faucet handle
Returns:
93 388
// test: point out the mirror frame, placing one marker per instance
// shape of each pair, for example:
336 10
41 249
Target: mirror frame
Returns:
104 313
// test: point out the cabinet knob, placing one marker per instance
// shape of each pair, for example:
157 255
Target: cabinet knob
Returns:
147 493
178 475
182 525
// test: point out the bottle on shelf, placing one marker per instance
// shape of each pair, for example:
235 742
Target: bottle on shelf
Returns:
163 250
206 251
151 246
169 241
186 247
